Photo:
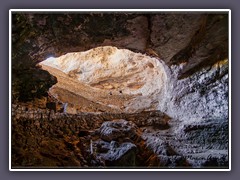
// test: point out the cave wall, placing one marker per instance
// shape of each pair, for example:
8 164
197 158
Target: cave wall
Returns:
193 45
197 39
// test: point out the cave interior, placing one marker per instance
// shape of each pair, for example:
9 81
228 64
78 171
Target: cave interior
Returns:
120 89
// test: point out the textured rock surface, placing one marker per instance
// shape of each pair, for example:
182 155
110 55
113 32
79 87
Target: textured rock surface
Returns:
195 95
117 78
198 39
42 138
203 95
120 155
125 81
117 129
196 145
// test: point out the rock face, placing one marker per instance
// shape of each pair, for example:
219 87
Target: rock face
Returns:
195 38
165 75
115 153
198 145
123 155
203 95
119 79
114 130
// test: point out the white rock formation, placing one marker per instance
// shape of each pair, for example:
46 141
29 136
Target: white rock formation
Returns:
203 95
117 78
125 81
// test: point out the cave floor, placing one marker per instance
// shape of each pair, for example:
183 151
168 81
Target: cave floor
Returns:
44 139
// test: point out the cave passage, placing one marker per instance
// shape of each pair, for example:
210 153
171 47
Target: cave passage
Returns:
107 79
112 107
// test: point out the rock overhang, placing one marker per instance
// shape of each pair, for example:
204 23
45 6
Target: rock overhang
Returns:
106 74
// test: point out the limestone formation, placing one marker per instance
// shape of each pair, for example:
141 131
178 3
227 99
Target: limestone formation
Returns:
116 129
100 90
118 79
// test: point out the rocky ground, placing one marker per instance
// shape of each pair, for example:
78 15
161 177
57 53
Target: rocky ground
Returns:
44 139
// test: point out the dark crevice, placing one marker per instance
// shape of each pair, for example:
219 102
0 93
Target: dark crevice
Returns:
149 41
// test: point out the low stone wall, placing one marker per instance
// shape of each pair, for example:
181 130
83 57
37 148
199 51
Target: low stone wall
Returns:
87 121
